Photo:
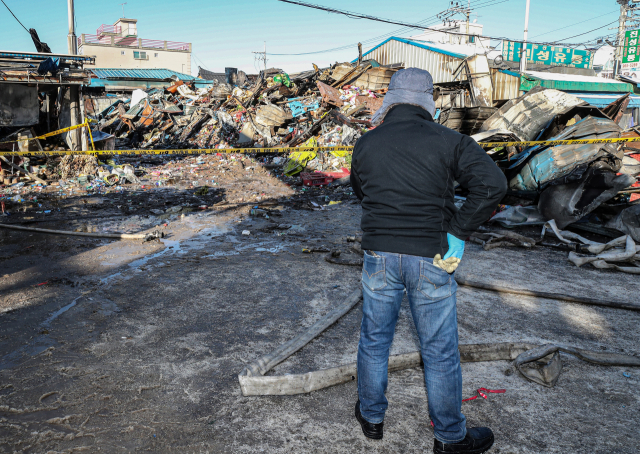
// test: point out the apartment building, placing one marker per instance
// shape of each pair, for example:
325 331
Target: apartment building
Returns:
118 46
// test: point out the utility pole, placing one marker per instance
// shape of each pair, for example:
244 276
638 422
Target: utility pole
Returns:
468 14
74 90
262 56
72 43
622 25
453 10
523 52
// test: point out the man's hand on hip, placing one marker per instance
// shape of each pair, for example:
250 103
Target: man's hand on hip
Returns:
456 247
453 256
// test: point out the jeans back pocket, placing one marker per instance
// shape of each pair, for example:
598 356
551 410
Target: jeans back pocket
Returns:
374 274
435 283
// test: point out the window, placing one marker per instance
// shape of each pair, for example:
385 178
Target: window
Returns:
139 55
121 52
155 55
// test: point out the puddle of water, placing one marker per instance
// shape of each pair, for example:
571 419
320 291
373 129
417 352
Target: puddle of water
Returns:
265 246
180 243
58 313
221 254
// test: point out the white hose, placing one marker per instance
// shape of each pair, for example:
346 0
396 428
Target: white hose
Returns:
319 379
120 236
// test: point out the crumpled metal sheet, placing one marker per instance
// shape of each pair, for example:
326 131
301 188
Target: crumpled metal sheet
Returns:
495 135
134 111
543 164
221 91
271 115
568 203
519 216
528 115
628 221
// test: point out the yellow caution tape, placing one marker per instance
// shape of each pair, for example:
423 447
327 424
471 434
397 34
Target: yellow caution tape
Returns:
49 134
194 151
61 131
531 143
185 151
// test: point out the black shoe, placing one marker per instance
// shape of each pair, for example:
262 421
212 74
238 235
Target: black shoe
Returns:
373 431
477 441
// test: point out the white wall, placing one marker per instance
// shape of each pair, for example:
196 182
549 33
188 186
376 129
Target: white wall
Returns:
111 57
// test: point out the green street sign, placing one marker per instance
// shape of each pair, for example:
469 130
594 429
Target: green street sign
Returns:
548 55
631 49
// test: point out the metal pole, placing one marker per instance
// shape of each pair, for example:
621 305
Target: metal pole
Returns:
72 42
74 90
265 57
523 52
468 13
622 21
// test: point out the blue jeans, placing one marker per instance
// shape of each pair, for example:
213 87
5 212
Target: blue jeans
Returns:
432 297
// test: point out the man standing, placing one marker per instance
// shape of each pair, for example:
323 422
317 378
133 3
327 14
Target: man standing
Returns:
404 172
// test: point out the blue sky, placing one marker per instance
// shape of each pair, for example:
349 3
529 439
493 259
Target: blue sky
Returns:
225 32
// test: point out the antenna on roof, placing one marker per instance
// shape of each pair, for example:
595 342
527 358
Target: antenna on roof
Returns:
123 8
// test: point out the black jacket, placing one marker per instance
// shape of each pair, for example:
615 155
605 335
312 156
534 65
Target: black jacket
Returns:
404 171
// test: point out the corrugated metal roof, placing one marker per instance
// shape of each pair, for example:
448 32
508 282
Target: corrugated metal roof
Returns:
413 54
571 82
506 84
421 44
135 73
604 99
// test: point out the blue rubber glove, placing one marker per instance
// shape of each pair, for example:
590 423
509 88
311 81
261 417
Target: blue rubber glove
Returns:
456 247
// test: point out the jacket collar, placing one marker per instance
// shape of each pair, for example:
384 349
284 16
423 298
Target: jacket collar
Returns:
405 112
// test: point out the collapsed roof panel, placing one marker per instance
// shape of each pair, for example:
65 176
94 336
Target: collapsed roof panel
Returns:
541 165
527 115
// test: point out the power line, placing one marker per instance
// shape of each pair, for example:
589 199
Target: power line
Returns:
203 65
366 16
577 23
392 33
14 16
575 36
390 21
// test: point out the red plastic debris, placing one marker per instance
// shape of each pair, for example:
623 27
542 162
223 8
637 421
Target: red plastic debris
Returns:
322 178
483 395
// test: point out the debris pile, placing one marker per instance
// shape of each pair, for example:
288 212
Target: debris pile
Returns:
577 186
77 165
316 108
589 187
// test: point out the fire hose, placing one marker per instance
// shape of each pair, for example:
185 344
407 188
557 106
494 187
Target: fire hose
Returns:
253 381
